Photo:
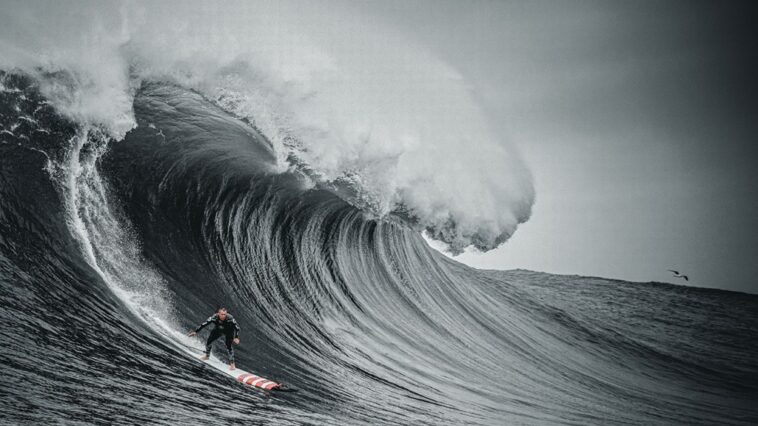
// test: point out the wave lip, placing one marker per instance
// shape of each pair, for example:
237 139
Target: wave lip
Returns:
362 107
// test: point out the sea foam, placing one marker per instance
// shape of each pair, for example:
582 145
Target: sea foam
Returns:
350 99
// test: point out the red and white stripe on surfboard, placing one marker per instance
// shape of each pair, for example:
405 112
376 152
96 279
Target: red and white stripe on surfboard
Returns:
257 381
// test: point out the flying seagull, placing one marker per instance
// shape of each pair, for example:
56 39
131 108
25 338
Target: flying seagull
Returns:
678 275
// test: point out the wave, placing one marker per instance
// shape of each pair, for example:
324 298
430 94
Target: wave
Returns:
112 249
159 165
357 106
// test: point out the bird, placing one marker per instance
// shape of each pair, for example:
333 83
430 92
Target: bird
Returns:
678 275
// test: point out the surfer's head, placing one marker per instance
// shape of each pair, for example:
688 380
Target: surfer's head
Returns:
221 313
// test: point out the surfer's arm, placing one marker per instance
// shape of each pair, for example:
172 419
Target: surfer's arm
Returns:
203 325
236 329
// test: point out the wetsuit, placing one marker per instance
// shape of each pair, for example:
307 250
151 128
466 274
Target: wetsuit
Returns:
228 327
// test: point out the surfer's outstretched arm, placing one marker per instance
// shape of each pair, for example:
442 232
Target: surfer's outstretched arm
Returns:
208 321
203 325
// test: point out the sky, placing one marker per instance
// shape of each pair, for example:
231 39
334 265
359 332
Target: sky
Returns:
637 119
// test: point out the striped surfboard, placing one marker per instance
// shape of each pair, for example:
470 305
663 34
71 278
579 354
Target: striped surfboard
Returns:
255 381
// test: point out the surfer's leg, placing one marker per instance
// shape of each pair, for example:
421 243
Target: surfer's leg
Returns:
230 348
215 334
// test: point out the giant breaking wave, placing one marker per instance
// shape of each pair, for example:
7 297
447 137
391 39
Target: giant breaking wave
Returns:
147 176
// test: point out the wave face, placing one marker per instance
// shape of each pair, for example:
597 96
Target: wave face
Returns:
111 249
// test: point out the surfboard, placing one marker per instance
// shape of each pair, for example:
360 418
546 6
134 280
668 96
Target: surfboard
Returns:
245 377
254 380
242 376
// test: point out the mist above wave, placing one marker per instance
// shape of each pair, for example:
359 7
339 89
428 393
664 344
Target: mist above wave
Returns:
354 103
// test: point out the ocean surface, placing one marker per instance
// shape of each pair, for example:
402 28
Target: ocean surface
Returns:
112 249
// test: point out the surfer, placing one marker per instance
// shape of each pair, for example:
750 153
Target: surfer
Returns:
224 324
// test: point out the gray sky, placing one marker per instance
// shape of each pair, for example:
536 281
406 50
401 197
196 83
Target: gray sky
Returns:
638 120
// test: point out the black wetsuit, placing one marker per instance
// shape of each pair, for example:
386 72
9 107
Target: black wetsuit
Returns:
228 327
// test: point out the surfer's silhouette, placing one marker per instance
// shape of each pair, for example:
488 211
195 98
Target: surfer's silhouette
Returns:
224 324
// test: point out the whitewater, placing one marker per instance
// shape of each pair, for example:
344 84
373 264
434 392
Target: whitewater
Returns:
156 164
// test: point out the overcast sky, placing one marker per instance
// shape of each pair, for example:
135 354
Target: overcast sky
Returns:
638 120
